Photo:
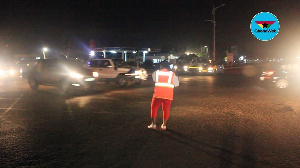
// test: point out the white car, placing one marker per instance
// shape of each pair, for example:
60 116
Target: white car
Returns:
116 70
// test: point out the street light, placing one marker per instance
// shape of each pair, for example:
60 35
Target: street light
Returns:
214 24
206 52
45 49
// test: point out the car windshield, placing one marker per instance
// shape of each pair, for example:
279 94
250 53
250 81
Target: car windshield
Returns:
99 63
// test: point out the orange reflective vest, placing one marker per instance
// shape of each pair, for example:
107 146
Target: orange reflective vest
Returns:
164 84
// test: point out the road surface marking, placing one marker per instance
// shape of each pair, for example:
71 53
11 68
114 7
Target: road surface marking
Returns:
11 106
15 109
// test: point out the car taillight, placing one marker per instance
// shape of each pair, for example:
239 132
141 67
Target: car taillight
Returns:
269 73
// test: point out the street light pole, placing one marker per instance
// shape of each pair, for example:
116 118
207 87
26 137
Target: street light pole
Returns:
214 24
206 52
45 49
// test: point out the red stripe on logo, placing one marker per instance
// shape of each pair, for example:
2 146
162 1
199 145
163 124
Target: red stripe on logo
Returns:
262 22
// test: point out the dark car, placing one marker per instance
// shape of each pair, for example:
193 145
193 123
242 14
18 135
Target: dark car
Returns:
24 66
281 74
64 74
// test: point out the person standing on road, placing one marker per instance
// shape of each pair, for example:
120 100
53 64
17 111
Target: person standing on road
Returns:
165 81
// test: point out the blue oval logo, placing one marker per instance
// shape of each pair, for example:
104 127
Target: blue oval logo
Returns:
264 26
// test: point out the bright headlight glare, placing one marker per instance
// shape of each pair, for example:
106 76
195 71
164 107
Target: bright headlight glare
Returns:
185 68
137 72
11 72
269 73
200 68
175 67
75 75
95 74
210 68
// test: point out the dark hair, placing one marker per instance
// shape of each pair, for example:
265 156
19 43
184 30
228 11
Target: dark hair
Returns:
165 64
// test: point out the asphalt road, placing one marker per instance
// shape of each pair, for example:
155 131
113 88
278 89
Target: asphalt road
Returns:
215 121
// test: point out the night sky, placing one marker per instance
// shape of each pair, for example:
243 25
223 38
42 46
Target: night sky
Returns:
27 25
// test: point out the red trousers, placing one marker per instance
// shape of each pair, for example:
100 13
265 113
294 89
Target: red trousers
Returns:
156 103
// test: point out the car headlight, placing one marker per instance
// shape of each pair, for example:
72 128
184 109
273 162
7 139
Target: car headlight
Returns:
137 72
1 72
210 68
200 68
75 75
175 67
11 72
270 73
185 68
95 74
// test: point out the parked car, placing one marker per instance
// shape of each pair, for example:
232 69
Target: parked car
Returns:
281 75
64 74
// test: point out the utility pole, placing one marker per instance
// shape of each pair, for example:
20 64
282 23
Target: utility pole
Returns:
214 25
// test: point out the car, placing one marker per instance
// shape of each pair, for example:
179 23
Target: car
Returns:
208 68
281 75
62 73
24 66
199 68
116 70
186 68
7 71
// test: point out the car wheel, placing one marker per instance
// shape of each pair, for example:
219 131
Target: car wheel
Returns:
122 81
282 83
32 83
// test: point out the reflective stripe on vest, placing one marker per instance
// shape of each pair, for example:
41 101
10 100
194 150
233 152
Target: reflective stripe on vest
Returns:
164 84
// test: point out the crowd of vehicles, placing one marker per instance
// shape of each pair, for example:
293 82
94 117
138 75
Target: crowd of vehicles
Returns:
69 75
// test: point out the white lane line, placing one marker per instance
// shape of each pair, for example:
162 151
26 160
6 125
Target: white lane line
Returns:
15 109
11 106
